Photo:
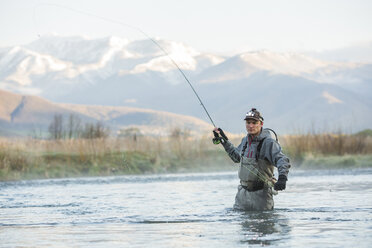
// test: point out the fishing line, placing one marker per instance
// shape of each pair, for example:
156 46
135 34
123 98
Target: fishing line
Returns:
135 28
260 175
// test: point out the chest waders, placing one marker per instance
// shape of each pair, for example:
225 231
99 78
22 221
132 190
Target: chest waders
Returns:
255 174
256 181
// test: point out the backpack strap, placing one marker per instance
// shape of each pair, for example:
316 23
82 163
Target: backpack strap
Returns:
245 146
276 136
259 148
259 144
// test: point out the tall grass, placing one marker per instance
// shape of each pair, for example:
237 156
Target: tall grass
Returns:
336 144
35 158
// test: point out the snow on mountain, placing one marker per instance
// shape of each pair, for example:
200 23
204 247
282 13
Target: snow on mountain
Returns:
283 63
53 62
231 69
78 61
20 63
78 50
184 56
99 57
97 53
330 98
19 67
294 64
116 71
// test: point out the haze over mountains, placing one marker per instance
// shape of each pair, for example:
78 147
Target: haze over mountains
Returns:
294 92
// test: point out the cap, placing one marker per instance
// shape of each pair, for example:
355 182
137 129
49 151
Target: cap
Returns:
254 114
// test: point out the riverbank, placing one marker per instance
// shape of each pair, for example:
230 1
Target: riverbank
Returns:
40 166
130 163
25 159
36 159
336 162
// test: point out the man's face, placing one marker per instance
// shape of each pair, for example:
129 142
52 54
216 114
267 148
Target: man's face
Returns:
253 126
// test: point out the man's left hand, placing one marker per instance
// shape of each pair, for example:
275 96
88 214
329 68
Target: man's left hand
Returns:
280 184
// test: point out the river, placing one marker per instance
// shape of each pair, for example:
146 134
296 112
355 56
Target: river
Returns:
328 208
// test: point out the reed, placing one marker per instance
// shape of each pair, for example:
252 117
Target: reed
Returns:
35 158
326 144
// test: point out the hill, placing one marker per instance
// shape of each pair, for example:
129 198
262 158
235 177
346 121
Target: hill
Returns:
21 114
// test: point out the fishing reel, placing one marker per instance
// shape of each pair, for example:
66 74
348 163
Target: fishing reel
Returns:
219 139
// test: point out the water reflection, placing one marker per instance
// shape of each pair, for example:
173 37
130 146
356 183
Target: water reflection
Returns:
264 227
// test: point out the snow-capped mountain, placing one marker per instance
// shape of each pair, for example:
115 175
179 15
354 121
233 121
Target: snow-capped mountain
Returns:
294 64
119 72
72 61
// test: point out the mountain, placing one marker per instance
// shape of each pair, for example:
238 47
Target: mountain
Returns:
21 114
75 63
291 104
361 52
294 91
244 65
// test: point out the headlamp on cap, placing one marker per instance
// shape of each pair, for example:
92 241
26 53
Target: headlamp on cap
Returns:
254 114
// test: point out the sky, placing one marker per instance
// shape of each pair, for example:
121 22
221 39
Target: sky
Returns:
220 27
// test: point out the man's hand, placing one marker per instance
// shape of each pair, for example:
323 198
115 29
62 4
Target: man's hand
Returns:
223 135
280 184
217 139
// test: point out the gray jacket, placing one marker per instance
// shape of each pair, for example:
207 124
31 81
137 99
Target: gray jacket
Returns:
270 151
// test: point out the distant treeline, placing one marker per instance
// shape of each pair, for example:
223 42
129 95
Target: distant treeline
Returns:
74 128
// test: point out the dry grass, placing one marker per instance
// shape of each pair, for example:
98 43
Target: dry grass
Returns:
105 156
298 146
34 158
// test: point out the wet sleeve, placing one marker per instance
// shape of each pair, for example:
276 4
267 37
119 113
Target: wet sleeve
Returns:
232 151
274 154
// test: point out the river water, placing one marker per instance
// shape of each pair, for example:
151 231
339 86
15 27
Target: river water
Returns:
318 209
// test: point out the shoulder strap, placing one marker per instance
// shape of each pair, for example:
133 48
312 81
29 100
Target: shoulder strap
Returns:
259 148
261 142
276 136
245 146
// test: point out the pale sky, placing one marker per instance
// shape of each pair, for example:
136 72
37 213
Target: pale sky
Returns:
221 27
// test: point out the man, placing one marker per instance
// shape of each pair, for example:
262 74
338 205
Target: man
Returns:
257 154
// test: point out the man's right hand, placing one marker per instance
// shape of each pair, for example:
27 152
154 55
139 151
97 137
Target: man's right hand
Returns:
219 136
217 139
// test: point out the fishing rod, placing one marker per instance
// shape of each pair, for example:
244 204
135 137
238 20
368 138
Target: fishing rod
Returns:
217 139
135 28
